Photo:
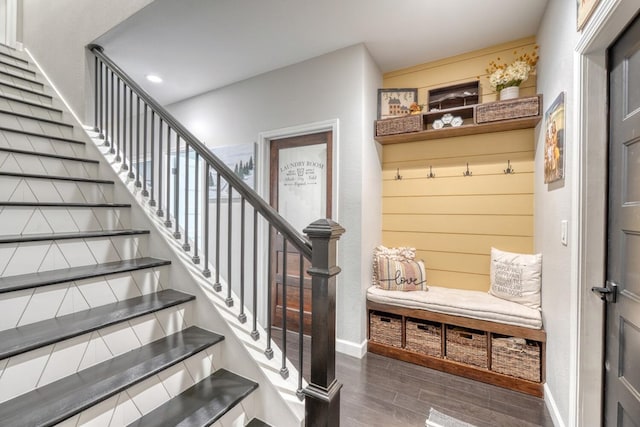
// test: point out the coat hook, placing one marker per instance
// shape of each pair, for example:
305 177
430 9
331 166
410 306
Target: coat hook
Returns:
509 169
467 172
431 174
398 176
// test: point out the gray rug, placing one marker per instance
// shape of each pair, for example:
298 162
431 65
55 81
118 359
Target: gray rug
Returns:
438 419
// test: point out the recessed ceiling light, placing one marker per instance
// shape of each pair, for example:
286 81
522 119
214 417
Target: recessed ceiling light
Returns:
153 78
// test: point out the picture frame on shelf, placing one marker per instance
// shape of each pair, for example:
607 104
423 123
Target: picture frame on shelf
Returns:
584 11
395 102
554 125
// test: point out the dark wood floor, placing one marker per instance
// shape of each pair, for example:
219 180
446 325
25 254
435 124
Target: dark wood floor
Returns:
379 391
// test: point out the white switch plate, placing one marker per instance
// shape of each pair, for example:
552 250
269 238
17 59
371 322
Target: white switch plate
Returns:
564 232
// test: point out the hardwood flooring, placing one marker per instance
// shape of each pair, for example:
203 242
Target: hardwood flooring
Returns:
378 391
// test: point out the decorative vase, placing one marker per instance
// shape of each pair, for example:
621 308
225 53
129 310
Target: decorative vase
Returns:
510 92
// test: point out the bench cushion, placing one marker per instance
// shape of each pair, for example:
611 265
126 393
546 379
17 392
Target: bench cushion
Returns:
459 302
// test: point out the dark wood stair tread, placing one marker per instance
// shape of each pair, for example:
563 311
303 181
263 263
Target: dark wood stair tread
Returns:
41 135
55 402
58 178
202 404
65 205
257 423
52 277
48 155
73 235
39 334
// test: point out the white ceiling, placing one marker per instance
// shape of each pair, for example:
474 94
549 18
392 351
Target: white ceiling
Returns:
200 45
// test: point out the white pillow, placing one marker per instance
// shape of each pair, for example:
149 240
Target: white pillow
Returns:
516 277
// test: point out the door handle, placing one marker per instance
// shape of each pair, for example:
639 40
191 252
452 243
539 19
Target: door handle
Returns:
608 293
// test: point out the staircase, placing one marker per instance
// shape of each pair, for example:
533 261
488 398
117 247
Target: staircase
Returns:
91 330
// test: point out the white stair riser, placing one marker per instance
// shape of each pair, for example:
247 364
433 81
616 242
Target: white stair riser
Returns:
22 373
38 220
21 189
26 163
19 107
36 126
40 145
28 96
29 257
27 306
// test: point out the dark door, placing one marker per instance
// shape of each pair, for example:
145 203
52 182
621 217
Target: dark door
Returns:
622 365
300 189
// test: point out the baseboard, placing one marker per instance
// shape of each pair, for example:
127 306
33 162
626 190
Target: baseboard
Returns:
552 407
351 349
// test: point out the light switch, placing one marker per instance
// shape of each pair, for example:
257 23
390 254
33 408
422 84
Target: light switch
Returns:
564 232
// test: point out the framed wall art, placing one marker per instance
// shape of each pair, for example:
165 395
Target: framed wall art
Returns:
554 123
241 159
395 102
585 10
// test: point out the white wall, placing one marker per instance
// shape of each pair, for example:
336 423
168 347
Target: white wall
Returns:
340 85
553 203
61 53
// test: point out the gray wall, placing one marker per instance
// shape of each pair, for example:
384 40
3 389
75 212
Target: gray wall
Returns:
340 85
61 53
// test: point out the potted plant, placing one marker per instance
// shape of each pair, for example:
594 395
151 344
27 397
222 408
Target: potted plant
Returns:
507 78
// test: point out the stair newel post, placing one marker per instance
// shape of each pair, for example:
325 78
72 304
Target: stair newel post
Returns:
322 395
176 193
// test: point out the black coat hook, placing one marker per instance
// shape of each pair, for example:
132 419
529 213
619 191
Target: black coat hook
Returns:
431 174
509 169
398 176
467 172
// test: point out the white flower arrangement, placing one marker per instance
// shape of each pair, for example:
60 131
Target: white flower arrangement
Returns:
502 75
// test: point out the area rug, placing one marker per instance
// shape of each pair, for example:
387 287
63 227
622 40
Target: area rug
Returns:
438 419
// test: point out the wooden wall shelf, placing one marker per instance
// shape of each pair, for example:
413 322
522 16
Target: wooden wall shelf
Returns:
469 128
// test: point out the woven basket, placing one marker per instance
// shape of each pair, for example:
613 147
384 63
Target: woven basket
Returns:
385 329
395 125
516 357
467 346
509 109
424 337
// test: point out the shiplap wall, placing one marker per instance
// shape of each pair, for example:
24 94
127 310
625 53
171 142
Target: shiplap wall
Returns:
453 220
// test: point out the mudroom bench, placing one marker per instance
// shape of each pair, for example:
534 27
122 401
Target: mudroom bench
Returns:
467 333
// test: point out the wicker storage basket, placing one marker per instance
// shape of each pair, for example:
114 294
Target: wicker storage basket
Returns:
509 109
467 346
516 357
395 125
385 329
424 337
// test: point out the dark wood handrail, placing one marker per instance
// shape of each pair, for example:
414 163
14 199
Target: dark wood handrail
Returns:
268 212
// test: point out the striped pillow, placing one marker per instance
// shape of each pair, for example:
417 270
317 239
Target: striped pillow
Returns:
407 275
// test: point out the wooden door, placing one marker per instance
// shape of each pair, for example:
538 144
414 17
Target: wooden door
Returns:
622 372
300 189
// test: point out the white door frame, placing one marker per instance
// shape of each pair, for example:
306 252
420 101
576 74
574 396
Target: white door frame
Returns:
590 203
263 176
11 22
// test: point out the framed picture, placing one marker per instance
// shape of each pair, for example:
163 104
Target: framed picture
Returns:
395 102
554 141
241 158
585 10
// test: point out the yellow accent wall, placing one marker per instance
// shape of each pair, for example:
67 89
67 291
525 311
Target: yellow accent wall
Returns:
453 220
